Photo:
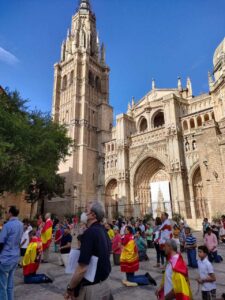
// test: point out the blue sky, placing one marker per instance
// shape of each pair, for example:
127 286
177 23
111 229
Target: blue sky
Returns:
163 39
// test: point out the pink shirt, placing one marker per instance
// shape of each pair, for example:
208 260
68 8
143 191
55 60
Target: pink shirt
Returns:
211 241
116 244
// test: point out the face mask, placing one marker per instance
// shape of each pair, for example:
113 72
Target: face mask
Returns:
84 218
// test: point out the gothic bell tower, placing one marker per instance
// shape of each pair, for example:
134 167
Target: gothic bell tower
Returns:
81 102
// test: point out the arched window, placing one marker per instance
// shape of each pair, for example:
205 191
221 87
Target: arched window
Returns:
107 164
71 77
185 125
158 120
143 125
192 123
108 148
206 117
91 78
98 84
199 121
64 82
83 39
112 147
115 162
112 163
212 115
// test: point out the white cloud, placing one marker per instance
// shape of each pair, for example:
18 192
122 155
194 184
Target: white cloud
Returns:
8 57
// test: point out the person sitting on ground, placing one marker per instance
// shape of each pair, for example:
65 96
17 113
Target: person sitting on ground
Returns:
149 235
190 246
210 241
32 260
116 246
207 277
65 246
175 283
129 262
141 245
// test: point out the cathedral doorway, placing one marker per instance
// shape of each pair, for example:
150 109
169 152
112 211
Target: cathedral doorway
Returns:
200 203
152 188
111 199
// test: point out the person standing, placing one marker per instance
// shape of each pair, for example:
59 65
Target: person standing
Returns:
46 237
182 237
176 233
94 241
175 283
190 246
65 246
165 232
156 232
116 246
149 235
207 277
210 241
10 238
24 241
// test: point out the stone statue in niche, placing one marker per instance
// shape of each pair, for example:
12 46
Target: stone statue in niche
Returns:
187 146
194 146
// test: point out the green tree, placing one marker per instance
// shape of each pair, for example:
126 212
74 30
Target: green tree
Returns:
31 147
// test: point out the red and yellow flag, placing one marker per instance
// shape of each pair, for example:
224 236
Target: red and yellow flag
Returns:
32 256
129 261
46 234
180 281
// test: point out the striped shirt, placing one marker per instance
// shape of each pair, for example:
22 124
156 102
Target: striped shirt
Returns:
190 240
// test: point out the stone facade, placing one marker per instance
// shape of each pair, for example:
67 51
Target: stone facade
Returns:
168 135
81 102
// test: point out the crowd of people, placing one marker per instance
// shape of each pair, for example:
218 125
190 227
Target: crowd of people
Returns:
23 245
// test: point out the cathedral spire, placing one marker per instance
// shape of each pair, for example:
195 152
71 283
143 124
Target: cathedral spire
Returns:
153 83
179 84
84 5
189 87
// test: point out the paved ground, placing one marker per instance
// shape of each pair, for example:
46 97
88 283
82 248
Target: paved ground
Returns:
55 291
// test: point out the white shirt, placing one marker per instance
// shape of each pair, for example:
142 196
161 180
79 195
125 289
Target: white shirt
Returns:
122 230
168 286
25 236
205 268
165 232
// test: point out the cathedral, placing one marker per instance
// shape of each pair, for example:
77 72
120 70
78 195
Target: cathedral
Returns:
167 152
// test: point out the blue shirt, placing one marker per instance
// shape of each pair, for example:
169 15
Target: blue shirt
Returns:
10 236
95 241
190 240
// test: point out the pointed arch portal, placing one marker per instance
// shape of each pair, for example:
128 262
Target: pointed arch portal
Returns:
152 188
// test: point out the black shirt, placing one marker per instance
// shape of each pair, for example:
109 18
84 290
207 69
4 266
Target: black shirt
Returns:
64 241
95 241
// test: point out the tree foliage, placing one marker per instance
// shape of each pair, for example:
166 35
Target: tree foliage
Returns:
31 146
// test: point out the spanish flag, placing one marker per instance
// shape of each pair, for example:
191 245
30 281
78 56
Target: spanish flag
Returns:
129 261
180 282
32 256
46 234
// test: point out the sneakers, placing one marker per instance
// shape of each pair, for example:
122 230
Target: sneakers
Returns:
128 283
150 279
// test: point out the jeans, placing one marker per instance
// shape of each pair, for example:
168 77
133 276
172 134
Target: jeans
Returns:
213 256
7 281
35 278
191 256
139 279
159 254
